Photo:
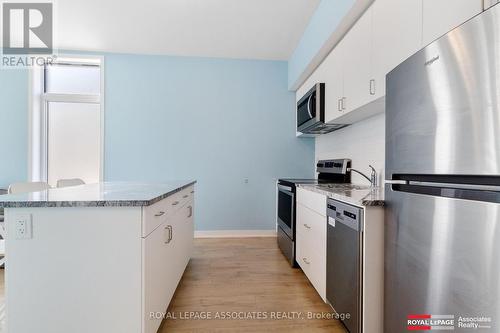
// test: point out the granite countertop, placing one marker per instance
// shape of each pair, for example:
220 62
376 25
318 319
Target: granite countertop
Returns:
107 194
353 194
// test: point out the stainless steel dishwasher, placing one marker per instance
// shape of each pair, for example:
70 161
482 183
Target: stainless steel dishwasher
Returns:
344 263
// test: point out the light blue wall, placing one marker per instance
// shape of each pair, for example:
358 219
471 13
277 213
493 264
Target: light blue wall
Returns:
323 23
13 126
218 121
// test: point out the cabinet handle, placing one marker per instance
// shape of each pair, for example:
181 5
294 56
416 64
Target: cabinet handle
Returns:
192 191
170 233
372 87
190 211
175 203
185 196
343 103
339 105
308 227
305 260
159 214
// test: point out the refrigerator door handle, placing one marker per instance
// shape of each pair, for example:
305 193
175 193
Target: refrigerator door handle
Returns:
393 181
450 192
456 186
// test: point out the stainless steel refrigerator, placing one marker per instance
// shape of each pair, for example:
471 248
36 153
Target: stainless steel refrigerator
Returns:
442 252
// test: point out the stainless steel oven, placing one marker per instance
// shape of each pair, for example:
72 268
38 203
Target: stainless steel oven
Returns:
286 220
329 171
286 209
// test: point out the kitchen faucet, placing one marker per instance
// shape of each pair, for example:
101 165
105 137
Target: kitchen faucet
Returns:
373 179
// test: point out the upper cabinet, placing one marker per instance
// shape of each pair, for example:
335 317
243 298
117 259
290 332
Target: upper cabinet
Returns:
334 94
357 64
397 34
441 16
387 33
489 3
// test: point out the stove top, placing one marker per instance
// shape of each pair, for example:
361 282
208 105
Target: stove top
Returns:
298 181
329 171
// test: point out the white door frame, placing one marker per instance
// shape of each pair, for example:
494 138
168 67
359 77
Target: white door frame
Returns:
37 114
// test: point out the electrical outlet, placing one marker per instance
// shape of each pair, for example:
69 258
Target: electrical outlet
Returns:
24 226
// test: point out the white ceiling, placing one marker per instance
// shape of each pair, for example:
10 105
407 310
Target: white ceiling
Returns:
251 29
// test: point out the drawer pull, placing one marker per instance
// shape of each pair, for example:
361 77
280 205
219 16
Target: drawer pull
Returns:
305 260
308 227
159 214
175 203
190 211
170 234
185 196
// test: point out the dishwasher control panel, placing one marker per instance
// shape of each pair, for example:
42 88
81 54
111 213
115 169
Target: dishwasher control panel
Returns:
346 214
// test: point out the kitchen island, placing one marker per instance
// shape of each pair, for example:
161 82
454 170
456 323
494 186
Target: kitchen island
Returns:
96 258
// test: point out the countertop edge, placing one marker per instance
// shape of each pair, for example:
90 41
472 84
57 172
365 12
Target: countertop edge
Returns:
363 202
100 203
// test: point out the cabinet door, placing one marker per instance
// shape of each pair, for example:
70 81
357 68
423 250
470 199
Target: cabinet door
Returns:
303 237
489 3
333 70
186 234
441 16
159 274
357 63
311 247
397 34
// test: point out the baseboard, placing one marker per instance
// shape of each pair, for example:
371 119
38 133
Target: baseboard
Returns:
234 233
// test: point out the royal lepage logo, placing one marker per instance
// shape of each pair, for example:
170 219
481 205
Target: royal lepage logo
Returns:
427 322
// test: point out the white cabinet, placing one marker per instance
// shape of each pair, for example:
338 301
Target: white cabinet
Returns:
311 238
166 252
489 3
160 272
441 16
397 34
334 82
357 64
389 32
100 257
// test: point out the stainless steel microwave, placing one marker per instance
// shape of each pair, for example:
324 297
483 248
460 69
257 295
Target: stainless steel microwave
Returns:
311 112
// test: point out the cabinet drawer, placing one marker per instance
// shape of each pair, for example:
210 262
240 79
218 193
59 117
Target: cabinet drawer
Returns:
158 213
312 200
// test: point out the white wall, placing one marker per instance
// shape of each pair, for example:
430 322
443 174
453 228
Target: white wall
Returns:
363 142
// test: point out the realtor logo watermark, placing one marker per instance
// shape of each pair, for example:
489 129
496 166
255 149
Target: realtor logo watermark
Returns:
27 33
429 322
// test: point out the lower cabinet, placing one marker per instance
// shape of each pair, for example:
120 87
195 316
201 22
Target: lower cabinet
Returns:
311 229
166 252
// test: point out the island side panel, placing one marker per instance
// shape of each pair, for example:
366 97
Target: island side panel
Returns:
80 272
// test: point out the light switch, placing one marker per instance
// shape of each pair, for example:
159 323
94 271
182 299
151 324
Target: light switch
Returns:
23 226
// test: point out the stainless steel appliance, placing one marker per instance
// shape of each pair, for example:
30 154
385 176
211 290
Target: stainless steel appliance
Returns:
311 112
443 168
344 262
329 171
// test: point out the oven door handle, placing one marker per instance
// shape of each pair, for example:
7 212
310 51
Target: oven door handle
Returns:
285 188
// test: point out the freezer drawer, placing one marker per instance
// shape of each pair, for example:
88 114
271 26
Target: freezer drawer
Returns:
441 258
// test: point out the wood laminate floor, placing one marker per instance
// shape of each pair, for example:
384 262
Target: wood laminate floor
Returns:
242 277
247 278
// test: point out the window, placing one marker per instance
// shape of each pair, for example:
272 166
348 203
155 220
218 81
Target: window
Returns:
67 121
